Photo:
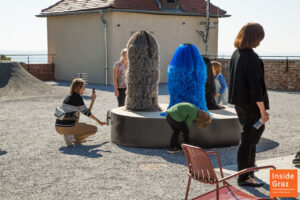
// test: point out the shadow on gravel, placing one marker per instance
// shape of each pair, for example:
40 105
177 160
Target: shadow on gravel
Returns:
256 192
263 145
177 158
163 89
88 151
266 187
2 152
227 155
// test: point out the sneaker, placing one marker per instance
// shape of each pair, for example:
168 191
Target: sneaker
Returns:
297 155
78 142
173 150
68 140
249 183
296 161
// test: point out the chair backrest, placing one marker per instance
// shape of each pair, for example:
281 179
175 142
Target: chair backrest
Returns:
199 164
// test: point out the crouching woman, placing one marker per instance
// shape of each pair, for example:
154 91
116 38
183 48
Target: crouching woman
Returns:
69 126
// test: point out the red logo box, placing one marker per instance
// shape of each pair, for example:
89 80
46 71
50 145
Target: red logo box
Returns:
283 183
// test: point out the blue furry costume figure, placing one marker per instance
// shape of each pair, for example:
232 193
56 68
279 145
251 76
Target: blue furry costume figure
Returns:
187 76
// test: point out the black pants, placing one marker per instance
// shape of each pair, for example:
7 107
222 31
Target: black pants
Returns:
121 97
177 128
248 115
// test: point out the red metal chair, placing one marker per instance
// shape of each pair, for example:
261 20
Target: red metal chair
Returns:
200 169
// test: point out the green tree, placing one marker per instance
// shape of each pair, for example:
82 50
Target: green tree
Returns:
3 57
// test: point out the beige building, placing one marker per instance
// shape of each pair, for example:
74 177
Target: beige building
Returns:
88 35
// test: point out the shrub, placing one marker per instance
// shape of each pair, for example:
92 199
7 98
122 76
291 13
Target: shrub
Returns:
3 57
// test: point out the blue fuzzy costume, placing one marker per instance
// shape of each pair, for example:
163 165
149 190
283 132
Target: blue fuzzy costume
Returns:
187 77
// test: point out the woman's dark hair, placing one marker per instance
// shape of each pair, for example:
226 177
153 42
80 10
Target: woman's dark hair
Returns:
249 36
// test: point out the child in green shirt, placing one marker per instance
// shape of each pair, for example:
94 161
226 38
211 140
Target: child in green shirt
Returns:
180 117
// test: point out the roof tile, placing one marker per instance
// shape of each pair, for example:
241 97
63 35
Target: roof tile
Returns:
199 6
77 5
196 6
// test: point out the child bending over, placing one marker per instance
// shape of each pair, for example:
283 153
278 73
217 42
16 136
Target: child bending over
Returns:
180 118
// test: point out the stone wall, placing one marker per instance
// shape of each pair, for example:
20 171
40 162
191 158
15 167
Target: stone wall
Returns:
277 75
44 72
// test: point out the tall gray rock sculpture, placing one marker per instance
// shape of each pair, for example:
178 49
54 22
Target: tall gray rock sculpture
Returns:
142 75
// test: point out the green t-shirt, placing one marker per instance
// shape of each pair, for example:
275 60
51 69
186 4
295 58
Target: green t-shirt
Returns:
184 112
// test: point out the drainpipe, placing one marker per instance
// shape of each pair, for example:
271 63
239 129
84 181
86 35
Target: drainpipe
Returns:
105 45
207 26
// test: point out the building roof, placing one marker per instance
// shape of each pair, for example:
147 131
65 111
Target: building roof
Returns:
136 5
186 6
200 7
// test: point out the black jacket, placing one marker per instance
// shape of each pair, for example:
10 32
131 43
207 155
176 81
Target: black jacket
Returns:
247 84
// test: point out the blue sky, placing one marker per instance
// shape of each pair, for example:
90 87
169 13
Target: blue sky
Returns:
22 31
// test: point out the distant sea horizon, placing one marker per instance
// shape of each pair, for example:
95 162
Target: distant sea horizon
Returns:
40 56
34 56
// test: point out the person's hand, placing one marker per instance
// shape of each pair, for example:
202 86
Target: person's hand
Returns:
93 96
101 123
117 93
264 116
218 94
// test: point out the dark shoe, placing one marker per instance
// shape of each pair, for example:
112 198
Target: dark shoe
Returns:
296 161
298 155
173 150
78 142
250 184
251 175
179 148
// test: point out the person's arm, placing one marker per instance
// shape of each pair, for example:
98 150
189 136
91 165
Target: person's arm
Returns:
263 112
86 111
254 78
223 84
115 81
97 120
93 96
191 112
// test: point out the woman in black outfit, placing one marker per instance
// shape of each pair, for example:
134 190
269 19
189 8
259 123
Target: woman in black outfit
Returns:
247 91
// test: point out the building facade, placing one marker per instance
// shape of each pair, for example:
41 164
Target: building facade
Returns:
89 37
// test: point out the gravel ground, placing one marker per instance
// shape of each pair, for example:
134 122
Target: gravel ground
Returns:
35 164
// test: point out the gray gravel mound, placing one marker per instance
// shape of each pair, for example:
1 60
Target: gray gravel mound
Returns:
16 83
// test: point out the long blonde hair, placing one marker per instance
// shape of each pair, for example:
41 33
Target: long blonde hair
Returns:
76 85
123 53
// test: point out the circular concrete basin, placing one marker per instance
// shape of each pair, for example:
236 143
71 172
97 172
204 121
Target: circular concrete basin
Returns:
150 130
